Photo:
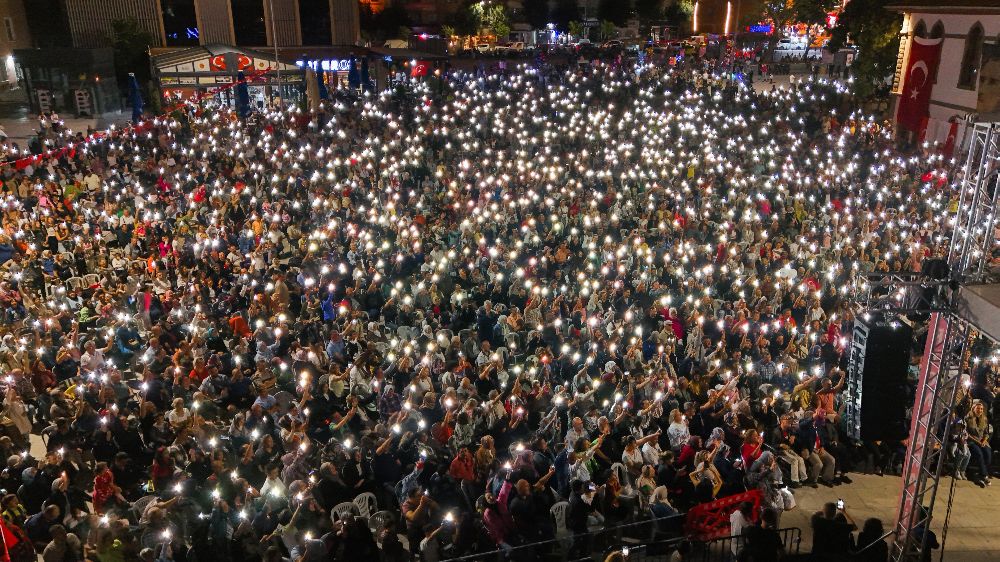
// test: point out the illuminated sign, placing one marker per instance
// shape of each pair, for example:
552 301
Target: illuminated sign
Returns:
332 65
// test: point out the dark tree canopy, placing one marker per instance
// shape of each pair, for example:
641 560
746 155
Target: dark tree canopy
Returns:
614 11
874 30
564 12
536 12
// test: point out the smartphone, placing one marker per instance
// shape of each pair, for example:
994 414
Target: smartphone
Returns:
840 504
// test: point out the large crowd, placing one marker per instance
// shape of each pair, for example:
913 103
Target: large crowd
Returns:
444 321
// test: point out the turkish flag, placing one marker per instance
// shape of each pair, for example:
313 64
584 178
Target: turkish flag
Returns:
922 135
915 96
419 68
949 143
217 63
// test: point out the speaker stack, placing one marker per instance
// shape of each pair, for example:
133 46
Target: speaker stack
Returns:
877 388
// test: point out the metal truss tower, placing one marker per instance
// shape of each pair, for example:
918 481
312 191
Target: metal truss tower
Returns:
949 334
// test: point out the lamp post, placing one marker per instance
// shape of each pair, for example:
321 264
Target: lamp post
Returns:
274 40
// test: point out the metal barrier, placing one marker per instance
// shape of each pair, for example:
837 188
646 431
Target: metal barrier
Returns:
716 550
723 549
595 541
652 540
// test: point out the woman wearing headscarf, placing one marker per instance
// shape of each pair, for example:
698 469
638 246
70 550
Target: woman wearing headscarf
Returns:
765 476
524 466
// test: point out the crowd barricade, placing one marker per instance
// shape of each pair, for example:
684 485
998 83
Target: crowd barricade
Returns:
708 521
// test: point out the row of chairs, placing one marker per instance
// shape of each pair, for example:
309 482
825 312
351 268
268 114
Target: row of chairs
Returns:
364 506
89 280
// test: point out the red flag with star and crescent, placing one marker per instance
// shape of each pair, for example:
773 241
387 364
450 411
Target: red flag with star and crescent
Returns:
915 96
419 68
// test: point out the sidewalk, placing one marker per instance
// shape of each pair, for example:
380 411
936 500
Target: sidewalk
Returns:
21 124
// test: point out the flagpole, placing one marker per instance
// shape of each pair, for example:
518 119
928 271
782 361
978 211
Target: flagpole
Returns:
274 40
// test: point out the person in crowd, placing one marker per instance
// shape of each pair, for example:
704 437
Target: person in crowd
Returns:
978 428
832 528
739 520
871 545
472 302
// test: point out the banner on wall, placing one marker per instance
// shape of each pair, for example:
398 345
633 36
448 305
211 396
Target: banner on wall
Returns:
918 82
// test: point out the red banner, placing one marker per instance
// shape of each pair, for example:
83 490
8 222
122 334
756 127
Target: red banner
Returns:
949 143
420 68
915 95
707 521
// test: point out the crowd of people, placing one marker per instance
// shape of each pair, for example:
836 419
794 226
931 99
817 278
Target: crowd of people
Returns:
411 323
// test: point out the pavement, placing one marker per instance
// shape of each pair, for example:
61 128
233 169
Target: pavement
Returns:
20 123
972 533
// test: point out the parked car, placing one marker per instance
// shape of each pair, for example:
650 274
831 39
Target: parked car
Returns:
484 48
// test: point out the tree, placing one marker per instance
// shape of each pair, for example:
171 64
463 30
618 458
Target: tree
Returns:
649 10
780 13
536 12
575 29
874 31
679 14
131 47
812 12
608 29
390 23
467 20
614 11
495 19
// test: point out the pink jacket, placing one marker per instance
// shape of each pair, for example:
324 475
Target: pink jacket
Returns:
497 518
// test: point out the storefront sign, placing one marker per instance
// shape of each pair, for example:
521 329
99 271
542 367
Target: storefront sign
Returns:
328 65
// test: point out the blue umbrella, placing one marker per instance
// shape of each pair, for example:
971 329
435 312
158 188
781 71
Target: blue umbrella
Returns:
353 79
365 78
135 98
242 96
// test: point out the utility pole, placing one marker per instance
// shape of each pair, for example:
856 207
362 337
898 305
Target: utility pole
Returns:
277 61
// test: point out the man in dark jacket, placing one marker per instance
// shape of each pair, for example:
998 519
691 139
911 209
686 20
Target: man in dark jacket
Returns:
580 508
330 490
812 441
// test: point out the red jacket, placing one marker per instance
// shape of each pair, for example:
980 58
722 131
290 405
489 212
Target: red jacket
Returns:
462 469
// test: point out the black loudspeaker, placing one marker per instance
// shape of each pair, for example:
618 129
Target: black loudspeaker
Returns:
877 390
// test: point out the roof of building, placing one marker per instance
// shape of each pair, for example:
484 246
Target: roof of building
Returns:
948 6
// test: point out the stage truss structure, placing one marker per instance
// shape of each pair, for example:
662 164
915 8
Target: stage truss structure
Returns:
949 335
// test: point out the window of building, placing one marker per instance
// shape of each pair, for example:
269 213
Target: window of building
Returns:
248 22
8 29
180 23
921 29
314 16
968 73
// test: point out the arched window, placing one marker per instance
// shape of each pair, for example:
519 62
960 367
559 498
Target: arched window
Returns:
920 30
969 71
937 31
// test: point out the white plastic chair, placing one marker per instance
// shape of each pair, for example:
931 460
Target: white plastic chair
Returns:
367 504
91 279
343 510
74 283
619 470
559 512
379 521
